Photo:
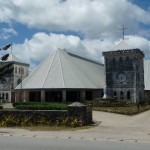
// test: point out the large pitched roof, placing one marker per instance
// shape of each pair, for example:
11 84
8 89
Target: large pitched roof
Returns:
62 70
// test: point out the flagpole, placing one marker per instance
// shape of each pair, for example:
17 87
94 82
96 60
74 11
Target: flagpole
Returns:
11 47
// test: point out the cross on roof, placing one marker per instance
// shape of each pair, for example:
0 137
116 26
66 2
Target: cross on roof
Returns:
123 29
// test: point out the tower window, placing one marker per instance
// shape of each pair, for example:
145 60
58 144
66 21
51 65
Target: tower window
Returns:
121 95
6 95
127 60
120 59
115 94
114 61
128 95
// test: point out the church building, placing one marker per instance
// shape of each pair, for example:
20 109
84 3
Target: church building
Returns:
14 71
64 77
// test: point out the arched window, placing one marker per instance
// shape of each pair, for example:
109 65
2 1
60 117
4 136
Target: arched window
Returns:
121 95
3 96
115 94
6 95
121 60
128 95
19 71
127 60
18 81
114 61
22 70
15 69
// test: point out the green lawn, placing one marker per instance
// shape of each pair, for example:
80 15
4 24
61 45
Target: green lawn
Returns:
129 110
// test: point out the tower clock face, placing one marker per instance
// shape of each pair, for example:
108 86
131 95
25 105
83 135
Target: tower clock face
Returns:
121 77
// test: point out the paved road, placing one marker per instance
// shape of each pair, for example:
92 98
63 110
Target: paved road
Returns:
31 143
112 127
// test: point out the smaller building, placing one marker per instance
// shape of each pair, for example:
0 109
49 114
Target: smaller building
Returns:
13 71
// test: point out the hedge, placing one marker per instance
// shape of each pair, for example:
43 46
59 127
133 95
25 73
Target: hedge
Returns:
29 103
35 103
42 107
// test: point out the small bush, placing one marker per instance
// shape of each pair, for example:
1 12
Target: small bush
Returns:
1 107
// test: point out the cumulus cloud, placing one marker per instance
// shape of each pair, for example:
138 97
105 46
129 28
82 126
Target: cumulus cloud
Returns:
41 45
7 32
93 18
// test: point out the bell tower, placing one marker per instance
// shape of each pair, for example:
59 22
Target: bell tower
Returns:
124 72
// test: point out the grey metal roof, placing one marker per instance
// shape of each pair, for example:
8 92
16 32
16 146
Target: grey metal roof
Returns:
65 70
147 74
122 46
13 58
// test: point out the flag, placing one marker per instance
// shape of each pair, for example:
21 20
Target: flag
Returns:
5 57
5 47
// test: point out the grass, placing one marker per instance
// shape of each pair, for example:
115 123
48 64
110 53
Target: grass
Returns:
129 110
56 128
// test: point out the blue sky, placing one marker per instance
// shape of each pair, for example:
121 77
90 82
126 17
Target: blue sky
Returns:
88 27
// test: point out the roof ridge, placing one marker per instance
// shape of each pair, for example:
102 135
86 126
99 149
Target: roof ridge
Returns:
61 71
49 68
34 71
85 58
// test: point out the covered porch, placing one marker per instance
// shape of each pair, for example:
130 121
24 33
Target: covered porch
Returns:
58 95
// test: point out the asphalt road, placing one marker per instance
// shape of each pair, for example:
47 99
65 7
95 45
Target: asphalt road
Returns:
33 143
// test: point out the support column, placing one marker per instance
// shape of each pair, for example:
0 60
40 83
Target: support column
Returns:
26 96
42 96
82 95
17 96
63 96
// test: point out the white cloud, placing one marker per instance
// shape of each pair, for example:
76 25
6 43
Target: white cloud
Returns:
42 44
7 32
94 18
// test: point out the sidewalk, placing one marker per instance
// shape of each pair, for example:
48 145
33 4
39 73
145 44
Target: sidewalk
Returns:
7 105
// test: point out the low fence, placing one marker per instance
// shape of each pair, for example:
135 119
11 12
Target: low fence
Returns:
75 110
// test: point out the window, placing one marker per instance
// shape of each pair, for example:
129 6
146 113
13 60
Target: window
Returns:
120 60
18 81
114 61
128 95
22 70
115 93
127 60
15 69
3 96
6 95
19 71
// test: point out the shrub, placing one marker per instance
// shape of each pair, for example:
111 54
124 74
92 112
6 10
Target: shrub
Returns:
42 107
1 107
12 120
